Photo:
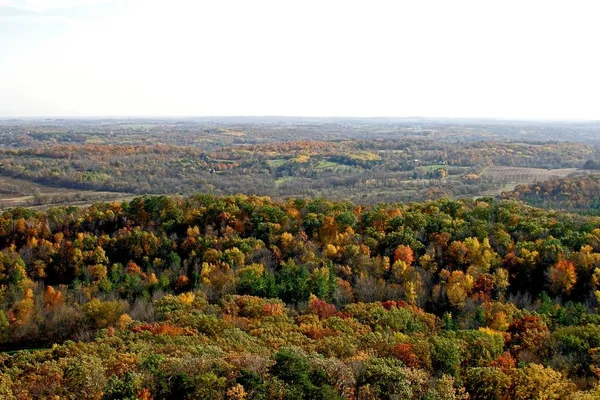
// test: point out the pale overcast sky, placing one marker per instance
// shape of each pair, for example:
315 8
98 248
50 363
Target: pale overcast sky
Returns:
498 59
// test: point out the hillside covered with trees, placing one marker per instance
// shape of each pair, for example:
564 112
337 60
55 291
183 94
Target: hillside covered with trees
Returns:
579 193
244 297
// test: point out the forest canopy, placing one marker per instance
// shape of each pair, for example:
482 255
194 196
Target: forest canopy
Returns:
244 297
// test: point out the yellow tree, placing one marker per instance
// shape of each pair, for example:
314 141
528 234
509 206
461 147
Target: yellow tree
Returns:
458 288
538 382
562 277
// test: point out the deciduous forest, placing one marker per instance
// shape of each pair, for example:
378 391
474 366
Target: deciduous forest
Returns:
246 297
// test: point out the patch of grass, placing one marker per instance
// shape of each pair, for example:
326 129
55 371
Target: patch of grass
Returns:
278 162
497 191
284 179
326 164
94 140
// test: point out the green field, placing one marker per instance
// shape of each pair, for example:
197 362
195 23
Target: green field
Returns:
326 164
284 179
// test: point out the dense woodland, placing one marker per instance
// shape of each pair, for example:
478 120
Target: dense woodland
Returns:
244 297
577 194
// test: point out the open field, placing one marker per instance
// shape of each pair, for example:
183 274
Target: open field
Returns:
434 167
520 175
496 191
284 179
277 162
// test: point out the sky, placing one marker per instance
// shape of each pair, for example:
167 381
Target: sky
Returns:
523 59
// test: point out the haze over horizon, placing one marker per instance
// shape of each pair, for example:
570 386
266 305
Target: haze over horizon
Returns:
435 59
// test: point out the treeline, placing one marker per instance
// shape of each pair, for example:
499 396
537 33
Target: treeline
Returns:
403 151
580 193
592 164
218 132
245 297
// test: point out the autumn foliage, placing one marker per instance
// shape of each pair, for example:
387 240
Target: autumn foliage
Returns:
244 297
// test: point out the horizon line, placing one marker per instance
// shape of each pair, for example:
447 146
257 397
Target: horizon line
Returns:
274 116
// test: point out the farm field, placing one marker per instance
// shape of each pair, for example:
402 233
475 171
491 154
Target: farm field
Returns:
519 175
497 191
